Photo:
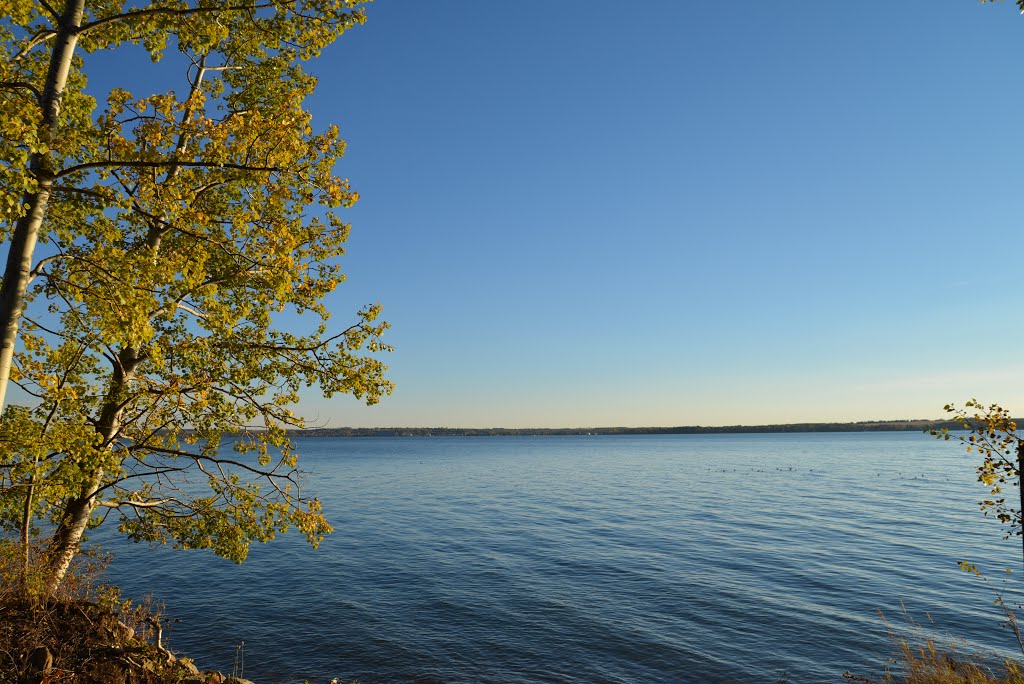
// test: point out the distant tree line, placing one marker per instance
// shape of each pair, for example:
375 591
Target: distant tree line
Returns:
863 426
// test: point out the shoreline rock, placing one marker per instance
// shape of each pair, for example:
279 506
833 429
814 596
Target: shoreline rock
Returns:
81 640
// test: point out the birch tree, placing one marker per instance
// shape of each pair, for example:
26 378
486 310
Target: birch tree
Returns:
175 230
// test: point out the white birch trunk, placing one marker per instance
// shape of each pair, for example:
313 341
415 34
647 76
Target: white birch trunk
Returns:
26 231
66 540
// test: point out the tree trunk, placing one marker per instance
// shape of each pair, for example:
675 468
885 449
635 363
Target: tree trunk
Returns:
1020 485
65 543
26 231
66 540
26 530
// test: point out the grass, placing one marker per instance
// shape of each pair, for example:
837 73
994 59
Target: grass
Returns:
920 659
929 664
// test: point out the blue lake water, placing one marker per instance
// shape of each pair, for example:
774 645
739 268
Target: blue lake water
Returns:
683 558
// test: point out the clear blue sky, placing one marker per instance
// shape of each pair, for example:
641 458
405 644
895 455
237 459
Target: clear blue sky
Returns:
584 212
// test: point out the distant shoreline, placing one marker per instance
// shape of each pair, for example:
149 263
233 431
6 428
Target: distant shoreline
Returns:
863 426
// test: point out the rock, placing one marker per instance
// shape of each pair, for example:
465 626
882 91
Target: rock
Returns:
189 665
214 677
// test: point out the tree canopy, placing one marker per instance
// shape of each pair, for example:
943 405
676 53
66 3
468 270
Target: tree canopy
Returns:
176 229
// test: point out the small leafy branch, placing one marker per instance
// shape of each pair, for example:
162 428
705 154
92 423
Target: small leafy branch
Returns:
993 434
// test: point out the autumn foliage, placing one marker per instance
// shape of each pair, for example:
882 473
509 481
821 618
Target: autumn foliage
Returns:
187 238
991 433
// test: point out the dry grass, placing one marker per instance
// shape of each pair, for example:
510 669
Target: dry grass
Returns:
920 659
929 664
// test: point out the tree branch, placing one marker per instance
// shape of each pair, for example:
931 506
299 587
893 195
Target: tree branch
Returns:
24 85
127 16
40 37
142 504
54 14
136 164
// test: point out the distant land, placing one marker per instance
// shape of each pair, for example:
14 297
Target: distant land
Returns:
863 426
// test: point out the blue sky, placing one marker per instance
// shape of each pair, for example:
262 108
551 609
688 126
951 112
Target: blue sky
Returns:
583 213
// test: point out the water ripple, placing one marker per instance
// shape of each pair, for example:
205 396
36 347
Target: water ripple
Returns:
722 558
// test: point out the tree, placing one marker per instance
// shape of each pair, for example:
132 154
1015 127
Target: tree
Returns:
176 233
992 433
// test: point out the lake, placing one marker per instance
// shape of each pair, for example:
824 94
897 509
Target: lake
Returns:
677 558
